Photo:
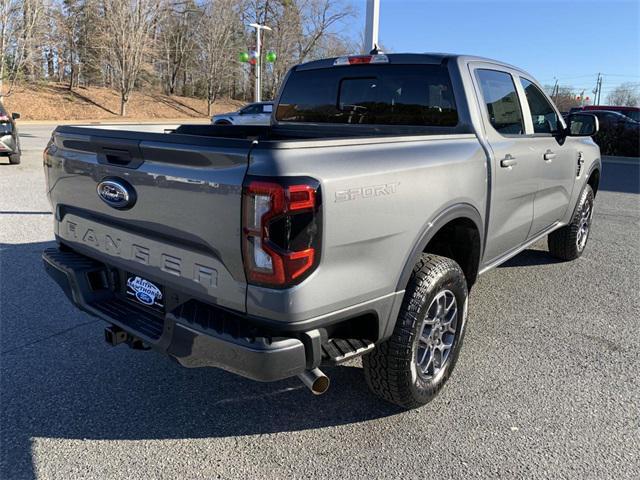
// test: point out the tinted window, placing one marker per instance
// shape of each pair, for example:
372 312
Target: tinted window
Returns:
633 115
543 116
251 110
418 95
607 118
502 102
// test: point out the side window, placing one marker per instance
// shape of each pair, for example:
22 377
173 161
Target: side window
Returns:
543 115
502 102
633 115
251 110
267 108
611 118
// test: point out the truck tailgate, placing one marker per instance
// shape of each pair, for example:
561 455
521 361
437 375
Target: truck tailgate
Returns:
183 227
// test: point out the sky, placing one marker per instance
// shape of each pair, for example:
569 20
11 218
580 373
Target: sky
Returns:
570 40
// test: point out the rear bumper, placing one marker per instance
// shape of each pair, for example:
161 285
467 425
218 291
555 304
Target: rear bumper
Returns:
194 336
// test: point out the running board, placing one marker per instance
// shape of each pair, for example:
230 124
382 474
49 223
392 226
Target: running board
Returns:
507 256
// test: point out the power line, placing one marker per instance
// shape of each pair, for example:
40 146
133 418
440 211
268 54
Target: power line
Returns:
587 87
590 75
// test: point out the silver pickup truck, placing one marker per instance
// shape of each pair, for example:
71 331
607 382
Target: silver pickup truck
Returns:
353 225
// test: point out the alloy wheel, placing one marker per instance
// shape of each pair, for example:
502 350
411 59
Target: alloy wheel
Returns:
437 335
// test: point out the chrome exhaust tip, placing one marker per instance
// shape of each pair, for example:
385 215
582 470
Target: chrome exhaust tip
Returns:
315 380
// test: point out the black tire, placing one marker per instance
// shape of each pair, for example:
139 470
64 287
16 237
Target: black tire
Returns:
223 122
14 158
391 369
568 242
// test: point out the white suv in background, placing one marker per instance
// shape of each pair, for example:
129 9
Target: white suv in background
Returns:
253 114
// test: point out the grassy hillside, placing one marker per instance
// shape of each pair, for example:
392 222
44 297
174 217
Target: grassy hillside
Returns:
56 102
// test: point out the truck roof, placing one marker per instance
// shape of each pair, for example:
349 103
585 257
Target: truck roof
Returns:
427 58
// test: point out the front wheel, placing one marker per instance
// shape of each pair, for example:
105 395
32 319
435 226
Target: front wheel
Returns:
568 242
14 158
411 367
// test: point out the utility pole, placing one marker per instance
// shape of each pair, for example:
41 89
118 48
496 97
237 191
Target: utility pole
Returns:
555 91
598 90
371 26
258 27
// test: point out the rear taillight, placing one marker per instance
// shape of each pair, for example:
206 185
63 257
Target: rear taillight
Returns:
281 230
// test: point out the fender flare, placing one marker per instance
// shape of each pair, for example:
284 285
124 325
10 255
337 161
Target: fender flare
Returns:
597 165
453 212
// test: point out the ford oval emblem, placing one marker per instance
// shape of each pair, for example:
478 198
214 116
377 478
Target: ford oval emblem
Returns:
116 193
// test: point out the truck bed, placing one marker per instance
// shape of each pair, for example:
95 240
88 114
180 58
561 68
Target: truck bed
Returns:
188 216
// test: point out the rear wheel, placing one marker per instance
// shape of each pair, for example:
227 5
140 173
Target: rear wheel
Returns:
411 367
568 242
14 158
223 122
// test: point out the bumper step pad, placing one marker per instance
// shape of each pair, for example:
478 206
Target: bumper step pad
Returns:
340 350
150 326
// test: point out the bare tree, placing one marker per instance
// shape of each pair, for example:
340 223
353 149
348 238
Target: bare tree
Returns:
65 38
190 45
18 22
128 25
8 28
626 94
302 30
319 19
564 97
217 37
177 41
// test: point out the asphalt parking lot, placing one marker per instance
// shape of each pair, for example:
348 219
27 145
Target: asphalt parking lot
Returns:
547 385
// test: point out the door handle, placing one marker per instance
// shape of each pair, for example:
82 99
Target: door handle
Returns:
508 161
549 156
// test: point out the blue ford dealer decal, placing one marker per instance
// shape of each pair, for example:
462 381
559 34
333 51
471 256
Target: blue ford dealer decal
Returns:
144 291
116 193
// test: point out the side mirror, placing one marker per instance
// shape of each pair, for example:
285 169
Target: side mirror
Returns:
15 115
582 125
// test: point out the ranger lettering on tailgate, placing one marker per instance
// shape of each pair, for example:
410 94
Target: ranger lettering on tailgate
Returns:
112 244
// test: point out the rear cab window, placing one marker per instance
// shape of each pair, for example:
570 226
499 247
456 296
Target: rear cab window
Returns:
411 95
501 101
